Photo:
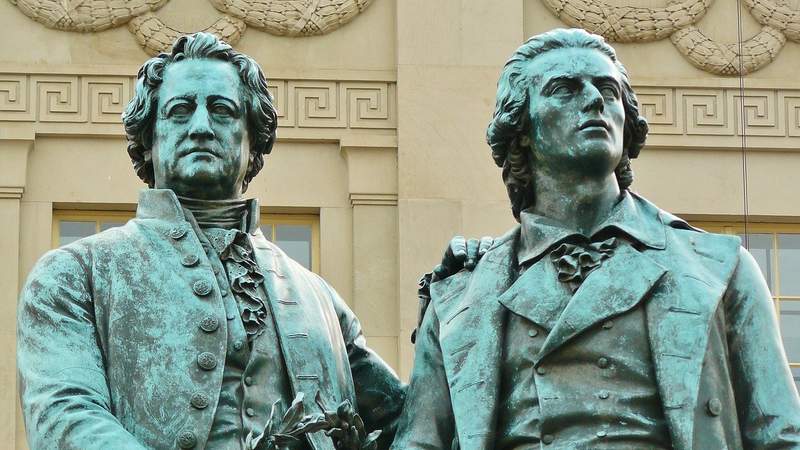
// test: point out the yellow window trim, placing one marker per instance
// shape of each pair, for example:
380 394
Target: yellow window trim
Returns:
99 217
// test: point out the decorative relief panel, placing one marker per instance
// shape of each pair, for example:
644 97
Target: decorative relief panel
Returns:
281 17
677 22
91 102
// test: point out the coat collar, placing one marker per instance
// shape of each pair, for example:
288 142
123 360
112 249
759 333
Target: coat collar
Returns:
629 216
163 204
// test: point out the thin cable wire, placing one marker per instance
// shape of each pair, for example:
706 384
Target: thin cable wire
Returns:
742 121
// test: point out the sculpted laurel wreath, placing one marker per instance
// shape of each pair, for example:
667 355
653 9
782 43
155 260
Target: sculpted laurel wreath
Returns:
285 431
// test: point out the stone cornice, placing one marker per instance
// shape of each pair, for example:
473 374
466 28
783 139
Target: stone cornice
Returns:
11 192
373 199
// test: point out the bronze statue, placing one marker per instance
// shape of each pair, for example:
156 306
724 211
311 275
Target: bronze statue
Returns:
601 321
186 327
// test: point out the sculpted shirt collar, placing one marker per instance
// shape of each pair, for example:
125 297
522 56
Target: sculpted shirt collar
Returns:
629 217
163 204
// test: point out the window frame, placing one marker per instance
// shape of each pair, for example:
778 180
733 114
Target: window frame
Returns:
100 216
761 228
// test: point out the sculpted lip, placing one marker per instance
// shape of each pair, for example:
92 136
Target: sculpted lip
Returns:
594 123
199 150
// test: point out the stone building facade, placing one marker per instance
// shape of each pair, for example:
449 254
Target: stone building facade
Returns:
381 155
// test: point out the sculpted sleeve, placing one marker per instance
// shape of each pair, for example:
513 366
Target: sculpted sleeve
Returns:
63 389
766 397
427 422
379 392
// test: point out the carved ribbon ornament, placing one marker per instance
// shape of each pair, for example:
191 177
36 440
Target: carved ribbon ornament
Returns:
677 21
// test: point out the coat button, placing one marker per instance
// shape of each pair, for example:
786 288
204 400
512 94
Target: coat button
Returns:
187 439
201 287
238 345
190 260
541 370
714 407
548 439
602 434
206 361
199 400
177 233
209 324
250 412
248 381
533 333
602 362
608 324
603 395
224 292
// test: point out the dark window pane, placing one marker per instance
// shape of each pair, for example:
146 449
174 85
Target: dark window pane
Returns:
71 231
106 225
790 329
789 263
266 228
796 376
760 246
295 240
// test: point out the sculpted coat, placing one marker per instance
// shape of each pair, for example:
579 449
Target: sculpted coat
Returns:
114 338
721 372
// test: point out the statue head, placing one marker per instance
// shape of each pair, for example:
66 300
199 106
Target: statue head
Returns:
201 119
564 104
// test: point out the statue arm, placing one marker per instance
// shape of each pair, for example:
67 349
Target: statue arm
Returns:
63 388
766 397
379 391
427 422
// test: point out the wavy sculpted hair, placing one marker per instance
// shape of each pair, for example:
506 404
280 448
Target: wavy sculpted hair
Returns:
511 119
139 117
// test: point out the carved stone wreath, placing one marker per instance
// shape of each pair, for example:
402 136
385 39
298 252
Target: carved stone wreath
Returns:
677 21
280 17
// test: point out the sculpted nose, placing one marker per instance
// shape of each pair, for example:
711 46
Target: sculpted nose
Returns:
593 99
200 126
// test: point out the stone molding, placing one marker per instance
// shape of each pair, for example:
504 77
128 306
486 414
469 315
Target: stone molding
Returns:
72 104
279 17
760 118
373 199
11 192
677 21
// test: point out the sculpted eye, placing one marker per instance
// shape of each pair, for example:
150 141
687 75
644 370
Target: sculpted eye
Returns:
609 91
181 110
561 89
222 110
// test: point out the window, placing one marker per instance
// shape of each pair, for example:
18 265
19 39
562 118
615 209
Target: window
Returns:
297 235
776 249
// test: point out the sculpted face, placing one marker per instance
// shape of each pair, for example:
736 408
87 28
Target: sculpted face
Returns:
576 112
200 145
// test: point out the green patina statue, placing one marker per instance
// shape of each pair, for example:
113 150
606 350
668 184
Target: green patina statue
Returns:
186 327
601 321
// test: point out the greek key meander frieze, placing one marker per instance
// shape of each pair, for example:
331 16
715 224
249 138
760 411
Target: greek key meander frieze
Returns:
280 17
94 101
327 109
677 21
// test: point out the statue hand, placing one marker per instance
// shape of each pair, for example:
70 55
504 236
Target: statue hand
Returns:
461 254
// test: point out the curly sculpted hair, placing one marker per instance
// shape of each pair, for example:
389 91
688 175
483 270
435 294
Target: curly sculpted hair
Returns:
140 115
511 119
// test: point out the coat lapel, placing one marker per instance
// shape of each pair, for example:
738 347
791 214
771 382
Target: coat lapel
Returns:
302 330
679 315
537 295
618 285
471 334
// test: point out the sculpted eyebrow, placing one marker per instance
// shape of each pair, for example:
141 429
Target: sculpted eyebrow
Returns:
557 79
607 79
188 98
